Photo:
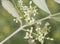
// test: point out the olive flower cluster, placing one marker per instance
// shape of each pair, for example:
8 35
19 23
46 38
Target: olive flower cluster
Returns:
35 32
28 11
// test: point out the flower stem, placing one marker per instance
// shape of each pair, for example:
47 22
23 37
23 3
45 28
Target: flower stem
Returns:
22 27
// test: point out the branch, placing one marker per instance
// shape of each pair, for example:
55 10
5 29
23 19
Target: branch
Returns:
7 38
22 27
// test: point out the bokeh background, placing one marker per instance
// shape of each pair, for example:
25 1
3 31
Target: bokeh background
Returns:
7 25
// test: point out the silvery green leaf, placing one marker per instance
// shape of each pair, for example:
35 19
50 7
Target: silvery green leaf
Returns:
57 18
42 5
10 8
58 1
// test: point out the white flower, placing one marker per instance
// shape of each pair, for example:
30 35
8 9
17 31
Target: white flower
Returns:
26 37
20 2
31 29
32 40
15 20
25 8
46 24
28 33
50 38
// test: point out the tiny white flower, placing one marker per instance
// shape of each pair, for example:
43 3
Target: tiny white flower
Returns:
34 14
47 24
20 2
36 29
32 40
26 37
25 8
39 23
28 30
31 29
51 39
30 36
30 2
42 37
14 19
48 38
39 28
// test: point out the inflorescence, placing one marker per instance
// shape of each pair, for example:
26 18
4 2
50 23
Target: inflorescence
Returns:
35 32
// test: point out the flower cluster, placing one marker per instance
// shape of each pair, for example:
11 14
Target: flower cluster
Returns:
37 32
29 11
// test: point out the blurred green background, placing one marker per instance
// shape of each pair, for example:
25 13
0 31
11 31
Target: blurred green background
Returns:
7 25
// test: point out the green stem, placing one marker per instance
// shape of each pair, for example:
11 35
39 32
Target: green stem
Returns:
22 27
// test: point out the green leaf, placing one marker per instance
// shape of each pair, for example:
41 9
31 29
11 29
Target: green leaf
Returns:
11 9
58 1
57 18
42 5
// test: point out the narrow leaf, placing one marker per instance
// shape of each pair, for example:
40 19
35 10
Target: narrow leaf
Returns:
58 1
42 5
57 18
10 8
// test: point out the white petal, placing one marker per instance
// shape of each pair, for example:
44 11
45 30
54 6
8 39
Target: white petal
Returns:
42 5
58 1
30 41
